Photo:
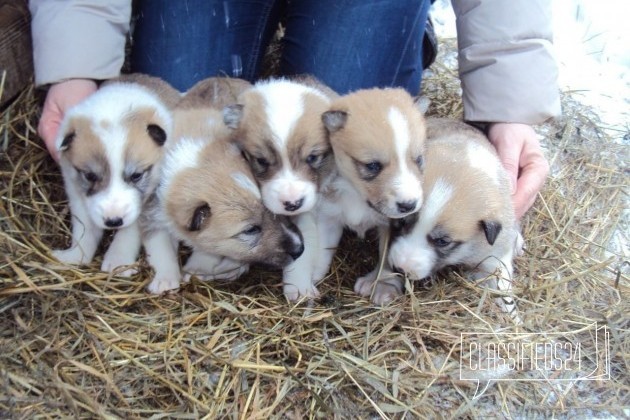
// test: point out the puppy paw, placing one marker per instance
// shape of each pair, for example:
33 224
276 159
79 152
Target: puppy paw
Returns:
380 291
208 267
116 263
162 283
294 292
73 256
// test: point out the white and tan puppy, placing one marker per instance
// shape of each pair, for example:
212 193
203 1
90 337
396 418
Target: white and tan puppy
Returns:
467 217
110 148
209 197
378 137
277 125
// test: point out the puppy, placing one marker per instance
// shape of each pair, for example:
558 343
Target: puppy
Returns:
110 148
467 217
277 125
377 136
208 197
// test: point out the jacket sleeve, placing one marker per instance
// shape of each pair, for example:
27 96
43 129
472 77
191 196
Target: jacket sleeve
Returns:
507 66
78 38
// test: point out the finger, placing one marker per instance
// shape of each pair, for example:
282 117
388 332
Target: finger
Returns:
47 128
530 182
509 154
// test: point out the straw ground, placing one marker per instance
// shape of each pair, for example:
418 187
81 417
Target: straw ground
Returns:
76 342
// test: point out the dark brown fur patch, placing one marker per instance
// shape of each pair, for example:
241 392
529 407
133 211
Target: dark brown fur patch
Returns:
87 154
308 137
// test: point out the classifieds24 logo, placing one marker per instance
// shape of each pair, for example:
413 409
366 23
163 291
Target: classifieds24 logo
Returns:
580 355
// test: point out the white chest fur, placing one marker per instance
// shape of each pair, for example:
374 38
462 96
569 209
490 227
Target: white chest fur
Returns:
341 201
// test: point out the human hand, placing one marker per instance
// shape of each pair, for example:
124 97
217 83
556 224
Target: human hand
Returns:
520 153
61 96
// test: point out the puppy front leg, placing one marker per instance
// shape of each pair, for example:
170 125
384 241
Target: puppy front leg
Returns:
85 234
161 253
498 272
297 277
385 288
123 250
213 267
329 232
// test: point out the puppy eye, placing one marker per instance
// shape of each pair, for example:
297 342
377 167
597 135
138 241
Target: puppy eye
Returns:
441 242
90 177
315 160
199 218
369 171
136 177
374 167
419 161
252 230
260 165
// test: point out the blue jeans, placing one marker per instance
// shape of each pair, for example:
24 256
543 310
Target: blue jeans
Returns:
347 44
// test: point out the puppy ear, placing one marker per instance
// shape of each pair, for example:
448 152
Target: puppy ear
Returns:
491 229
199 218
334 120
232 115
157 133
67 141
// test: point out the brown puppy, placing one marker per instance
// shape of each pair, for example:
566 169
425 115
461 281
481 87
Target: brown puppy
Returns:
208 197
377 136
277 125
467 217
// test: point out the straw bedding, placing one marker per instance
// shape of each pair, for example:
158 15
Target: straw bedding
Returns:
76 342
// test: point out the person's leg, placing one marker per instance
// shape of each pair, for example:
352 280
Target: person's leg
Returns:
354 44
187 41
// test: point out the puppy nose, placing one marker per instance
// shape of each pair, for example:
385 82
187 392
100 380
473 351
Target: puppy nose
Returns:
293 206
406 206
114 222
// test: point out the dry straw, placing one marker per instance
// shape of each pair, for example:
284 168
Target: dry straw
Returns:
76 342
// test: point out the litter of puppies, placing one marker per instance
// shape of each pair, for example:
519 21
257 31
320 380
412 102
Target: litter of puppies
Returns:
81 341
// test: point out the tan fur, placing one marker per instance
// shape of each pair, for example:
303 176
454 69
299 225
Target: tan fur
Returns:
253 134
164 91
472 200
199 112
87 152
308 135
467 218
310 81
233 209
367 136
217 92
140 148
